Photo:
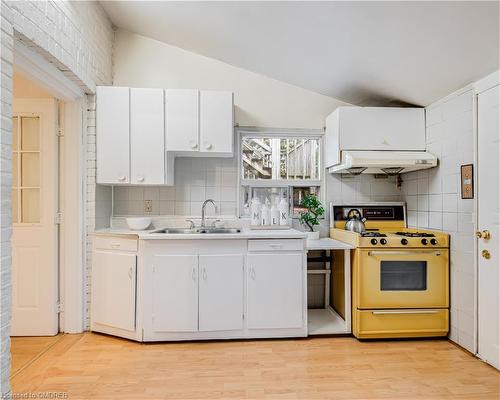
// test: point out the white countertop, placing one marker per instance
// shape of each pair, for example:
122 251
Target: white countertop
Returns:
328 244
244 234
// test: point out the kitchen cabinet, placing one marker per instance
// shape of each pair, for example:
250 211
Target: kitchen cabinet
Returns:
175 293
216 122
182 120
275 290
221 292
113 135
373 128
199 123
114 289
147 155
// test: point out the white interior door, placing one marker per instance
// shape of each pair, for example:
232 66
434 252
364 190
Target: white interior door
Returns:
488 124
34 206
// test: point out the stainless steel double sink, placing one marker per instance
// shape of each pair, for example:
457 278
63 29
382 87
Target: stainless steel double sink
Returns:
197 230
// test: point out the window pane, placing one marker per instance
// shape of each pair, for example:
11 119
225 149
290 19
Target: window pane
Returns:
30 169
298 195
15 141
14 169
14 206
30 133
280 158
30 205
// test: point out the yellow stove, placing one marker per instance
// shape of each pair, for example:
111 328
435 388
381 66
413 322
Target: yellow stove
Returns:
400 276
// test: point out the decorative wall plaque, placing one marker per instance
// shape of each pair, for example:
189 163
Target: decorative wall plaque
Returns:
467 174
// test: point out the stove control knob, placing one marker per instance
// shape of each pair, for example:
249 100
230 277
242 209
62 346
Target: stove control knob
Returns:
373 241
404 241
434 242
424 241
383 241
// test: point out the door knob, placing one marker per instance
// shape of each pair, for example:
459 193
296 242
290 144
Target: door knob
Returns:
486 254
140 178
208 146
486 235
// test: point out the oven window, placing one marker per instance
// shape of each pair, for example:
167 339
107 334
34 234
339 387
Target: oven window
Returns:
403 275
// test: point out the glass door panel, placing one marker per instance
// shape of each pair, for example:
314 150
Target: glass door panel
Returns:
26 169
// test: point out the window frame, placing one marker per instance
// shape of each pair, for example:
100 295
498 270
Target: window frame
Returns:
242 132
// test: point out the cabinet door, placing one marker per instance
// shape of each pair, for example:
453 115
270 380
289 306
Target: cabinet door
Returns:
275 291
175 293
113 135
113 289
181 120
381 128
221 292
216 122
147 137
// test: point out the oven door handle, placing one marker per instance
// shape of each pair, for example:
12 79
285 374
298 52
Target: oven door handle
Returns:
405 312
399 253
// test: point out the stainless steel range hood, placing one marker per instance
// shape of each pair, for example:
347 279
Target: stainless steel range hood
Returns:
383 162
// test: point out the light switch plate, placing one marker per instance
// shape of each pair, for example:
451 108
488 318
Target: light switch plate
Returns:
148 206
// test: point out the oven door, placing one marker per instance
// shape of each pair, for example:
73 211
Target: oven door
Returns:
402 279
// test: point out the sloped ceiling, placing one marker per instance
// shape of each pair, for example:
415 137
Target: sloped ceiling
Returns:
366 53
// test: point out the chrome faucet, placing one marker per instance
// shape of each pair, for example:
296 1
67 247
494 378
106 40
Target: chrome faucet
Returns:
203 210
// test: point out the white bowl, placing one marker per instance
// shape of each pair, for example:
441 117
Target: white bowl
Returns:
139 223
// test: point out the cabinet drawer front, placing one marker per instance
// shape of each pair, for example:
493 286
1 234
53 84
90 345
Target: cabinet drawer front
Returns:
401 323
115 243
275 245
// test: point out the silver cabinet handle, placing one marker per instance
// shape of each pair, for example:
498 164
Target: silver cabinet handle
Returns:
204 274
396 253
131 272
193 273
405 312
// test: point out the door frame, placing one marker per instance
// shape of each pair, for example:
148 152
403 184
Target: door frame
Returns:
72 117
479 87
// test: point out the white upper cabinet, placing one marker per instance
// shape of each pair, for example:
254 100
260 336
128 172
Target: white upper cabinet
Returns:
182 120
113 135
199 122
373 128
147 137
216 122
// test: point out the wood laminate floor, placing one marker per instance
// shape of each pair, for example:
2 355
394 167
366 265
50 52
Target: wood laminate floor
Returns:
92 366
27 349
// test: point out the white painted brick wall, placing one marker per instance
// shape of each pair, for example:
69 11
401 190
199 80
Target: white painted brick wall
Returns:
434 202
77 37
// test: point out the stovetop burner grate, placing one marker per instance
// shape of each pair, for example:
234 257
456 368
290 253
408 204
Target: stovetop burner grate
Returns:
373 234
414 234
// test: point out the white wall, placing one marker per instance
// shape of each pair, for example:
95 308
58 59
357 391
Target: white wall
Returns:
434 202
260 101
77 38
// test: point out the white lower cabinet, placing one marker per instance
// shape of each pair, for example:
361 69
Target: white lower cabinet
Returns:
175 293
275 291
114 290
221 292
194 293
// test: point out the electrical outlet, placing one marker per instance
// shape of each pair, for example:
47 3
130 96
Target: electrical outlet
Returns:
148 206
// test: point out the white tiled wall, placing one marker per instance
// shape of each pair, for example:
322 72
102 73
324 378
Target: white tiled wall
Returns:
77 38
434 201
196 179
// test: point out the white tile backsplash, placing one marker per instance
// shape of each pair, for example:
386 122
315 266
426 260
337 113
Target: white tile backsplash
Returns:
450 138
